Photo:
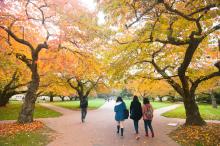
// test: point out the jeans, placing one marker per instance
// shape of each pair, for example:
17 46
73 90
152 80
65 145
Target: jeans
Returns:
83 113
136 126
147 123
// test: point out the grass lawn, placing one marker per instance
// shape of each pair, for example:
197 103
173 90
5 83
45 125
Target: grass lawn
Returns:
206 111
74 105
11 111
35 138
156 105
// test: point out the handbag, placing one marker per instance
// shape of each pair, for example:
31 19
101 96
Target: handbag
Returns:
126 114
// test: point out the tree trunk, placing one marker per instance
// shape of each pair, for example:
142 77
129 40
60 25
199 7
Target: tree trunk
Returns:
160 98
62 98
51 98
4 100
214 103
71 98
193 116
27 110
153 99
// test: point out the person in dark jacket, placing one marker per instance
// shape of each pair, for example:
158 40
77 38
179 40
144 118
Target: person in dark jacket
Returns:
119 109
83 106
136 113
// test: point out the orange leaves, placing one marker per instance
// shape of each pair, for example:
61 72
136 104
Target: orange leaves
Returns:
13 128
192 135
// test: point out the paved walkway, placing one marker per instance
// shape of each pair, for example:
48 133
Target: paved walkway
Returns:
100 128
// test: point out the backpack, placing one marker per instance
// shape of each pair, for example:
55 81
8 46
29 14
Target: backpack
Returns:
126 114
149 113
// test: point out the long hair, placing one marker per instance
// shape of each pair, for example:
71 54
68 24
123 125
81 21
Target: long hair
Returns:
135 98
119 99
146 101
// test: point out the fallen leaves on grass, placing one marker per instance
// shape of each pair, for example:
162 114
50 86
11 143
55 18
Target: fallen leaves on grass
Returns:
207 135
13 128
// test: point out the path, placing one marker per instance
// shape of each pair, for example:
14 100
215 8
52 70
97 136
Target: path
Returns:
100 128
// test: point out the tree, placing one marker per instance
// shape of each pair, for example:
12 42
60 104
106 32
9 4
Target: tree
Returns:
82 87
33 23
149 87
155 32
11 76
9 89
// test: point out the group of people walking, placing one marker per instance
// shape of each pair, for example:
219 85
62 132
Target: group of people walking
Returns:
136 113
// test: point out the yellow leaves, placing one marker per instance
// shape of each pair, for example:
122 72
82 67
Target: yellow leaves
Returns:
149 87
13 128
207 135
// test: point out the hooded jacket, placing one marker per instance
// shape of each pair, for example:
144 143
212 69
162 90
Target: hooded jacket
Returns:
119 111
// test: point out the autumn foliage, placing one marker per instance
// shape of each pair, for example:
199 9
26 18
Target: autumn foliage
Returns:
7 129
207 135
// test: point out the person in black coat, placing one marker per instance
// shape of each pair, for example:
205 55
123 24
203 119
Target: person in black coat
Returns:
83 106
136 113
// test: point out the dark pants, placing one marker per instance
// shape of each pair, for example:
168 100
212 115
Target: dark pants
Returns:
136 126
83 113
147 123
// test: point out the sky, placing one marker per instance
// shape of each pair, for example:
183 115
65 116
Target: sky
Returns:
91 5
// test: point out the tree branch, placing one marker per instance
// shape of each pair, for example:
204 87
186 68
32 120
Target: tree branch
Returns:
202 79
141 15
22 41
206 8
178 12
205 34
24 59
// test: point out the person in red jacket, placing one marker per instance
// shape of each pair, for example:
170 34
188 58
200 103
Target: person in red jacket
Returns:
147 111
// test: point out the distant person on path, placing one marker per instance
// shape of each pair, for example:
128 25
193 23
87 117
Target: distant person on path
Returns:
119 109
136 113
83 106
147 111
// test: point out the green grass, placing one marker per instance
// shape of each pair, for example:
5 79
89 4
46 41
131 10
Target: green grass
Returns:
74 105
206 111
36 138
156 105
11 111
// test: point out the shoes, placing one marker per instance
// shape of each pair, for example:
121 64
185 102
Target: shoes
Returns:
118 127
146 134
122 131
152 134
